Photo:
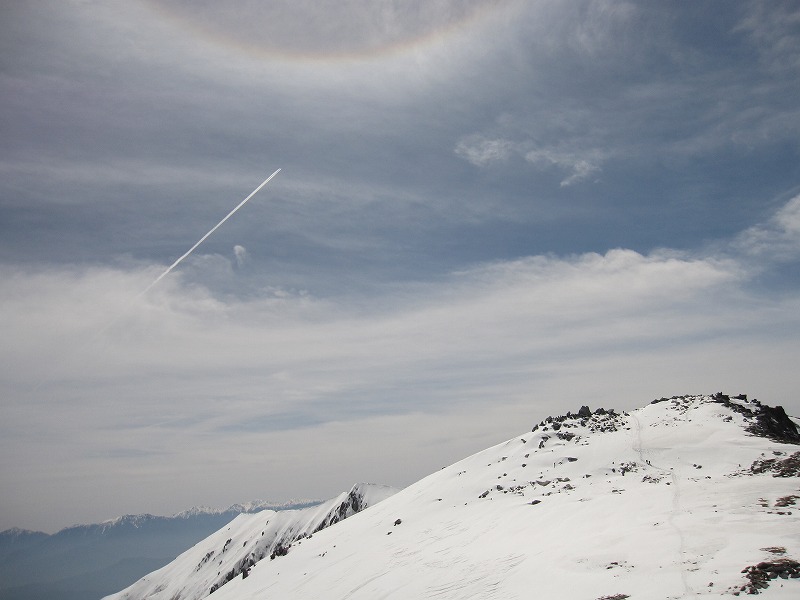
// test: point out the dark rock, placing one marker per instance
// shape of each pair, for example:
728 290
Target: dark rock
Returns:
761 574
774 423
788 467
584 412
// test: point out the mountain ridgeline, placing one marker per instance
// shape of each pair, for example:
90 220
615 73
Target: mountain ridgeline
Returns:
689 496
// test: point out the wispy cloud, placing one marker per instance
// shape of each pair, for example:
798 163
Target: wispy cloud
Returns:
778 238
482 152
772 29
504 334
240 252
577 167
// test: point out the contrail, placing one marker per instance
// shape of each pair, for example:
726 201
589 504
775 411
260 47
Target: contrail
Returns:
96 339
202 239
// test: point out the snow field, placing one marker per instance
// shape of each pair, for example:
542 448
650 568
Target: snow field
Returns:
659 503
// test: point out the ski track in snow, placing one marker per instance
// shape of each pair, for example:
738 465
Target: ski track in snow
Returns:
477 580
365 584
638 447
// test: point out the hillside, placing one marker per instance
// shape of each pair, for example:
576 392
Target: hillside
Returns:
691 496
233 550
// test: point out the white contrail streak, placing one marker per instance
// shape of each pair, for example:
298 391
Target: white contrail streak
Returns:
202 239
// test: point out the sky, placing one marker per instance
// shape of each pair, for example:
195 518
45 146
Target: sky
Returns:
487 212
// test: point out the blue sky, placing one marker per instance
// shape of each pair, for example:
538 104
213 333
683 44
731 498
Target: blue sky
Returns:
487 212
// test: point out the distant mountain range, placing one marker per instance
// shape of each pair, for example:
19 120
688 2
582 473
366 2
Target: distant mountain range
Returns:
687 497
87 562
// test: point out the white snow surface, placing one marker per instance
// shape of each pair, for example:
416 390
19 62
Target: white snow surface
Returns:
247 539
657 503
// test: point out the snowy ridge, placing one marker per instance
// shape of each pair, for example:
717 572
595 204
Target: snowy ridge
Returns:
131 520
259 505
233 550
246 507
687 497
139 520
16 532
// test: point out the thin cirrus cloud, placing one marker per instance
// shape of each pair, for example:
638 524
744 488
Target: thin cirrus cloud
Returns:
483 152
778 238
506 335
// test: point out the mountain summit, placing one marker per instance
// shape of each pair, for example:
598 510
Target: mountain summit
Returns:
690 496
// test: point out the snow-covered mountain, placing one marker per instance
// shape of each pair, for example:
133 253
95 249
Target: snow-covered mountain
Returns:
692 496
235 549
86 562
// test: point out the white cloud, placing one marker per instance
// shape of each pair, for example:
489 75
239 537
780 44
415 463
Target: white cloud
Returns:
788 218
577 167
778 238
481 151
112 105
90 375
240 252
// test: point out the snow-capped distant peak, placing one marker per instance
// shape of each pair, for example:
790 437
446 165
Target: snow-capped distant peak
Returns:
197 510
259 505
130 520
252 506
16 532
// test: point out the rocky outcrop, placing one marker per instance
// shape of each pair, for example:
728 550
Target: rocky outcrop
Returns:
761 574
774 423
786 467
356 500
769 421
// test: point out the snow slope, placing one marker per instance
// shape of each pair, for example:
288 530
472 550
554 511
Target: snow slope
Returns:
673 500
249 538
